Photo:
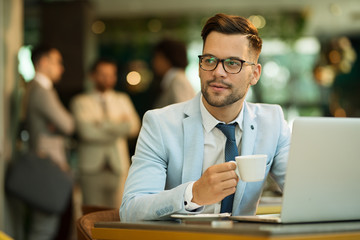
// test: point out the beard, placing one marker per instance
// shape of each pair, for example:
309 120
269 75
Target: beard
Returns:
219 100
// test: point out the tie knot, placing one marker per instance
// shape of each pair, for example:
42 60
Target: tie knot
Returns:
228 130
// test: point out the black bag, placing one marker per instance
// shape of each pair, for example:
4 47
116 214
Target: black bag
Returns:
39 182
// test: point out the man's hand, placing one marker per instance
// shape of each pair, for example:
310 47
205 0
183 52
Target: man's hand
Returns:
217 182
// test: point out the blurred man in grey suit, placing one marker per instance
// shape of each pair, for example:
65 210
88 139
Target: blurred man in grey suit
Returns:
105 119
48 123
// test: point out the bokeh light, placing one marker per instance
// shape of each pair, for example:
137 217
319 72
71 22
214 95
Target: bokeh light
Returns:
98 27
133 78
155 25
258 21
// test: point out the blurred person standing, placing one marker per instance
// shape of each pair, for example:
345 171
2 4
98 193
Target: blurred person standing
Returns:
48 122
105 119
169 63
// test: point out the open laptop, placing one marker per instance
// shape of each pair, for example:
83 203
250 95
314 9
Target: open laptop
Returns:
322 180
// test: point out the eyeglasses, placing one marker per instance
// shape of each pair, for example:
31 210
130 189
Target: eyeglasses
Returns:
230 65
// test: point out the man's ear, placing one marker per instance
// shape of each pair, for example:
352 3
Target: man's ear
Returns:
255 76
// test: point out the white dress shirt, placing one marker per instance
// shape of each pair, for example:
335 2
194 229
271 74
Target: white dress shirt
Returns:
168 77
175 88
44 81
214 152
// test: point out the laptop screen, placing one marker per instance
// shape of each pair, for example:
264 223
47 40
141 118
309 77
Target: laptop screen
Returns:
323 174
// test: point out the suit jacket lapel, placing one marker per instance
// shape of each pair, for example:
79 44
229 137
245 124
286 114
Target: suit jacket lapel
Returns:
249 131
193 141
247 148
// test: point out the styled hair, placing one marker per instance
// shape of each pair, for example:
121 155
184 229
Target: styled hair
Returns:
40 51
228 24
174 51
99 61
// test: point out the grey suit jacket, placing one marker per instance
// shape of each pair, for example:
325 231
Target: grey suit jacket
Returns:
47 120
169 155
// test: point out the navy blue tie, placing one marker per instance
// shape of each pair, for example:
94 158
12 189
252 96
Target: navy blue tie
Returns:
231 151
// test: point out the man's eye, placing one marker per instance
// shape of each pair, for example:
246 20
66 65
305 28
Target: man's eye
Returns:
210 60
232 63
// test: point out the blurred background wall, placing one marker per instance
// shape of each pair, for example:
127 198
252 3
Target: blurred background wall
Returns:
11 40
300 38
310 54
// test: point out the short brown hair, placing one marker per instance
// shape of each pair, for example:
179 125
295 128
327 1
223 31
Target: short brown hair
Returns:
40 51
228 24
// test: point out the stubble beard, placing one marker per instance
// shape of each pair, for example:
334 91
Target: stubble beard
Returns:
218 100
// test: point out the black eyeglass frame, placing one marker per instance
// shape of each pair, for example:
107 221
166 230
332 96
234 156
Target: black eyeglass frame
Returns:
222 61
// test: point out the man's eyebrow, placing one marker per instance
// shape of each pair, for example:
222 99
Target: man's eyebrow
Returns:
229 57
209 54
233 57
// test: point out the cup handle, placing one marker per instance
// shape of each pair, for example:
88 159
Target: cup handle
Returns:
236 169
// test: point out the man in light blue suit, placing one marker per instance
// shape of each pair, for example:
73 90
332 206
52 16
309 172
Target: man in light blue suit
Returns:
179 163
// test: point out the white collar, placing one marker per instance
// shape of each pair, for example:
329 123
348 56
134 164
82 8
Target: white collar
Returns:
43 80
209 122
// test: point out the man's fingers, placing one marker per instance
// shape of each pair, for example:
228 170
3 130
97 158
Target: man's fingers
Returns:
230 183
223 167
229 191
223 176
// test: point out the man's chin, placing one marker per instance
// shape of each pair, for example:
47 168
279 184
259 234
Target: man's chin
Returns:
217 104
215 101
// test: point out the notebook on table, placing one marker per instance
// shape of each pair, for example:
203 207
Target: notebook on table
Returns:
322 180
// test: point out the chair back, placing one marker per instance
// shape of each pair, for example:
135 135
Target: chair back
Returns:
85 223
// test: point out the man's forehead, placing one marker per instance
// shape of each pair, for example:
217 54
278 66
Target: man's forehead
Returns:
219 35
226 45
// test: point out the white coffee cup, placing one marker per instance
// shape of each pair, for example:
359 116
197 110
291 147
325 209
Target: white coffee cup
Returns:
251 168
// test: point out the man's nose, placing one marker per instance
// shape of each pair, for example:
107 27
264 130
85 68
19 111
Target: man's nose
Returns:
219 71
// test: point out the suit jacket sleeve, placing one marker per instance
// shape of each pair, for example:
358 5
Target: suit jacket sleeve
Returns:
146 196
133 120
51 108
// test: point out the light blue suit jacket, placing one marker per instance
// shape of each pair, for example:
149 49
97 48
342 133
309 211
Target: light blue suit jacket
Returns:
169 155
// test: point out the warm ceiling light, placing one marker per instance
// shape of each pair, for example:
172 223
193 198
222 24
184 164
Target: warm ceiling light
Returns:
133 78
98 27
